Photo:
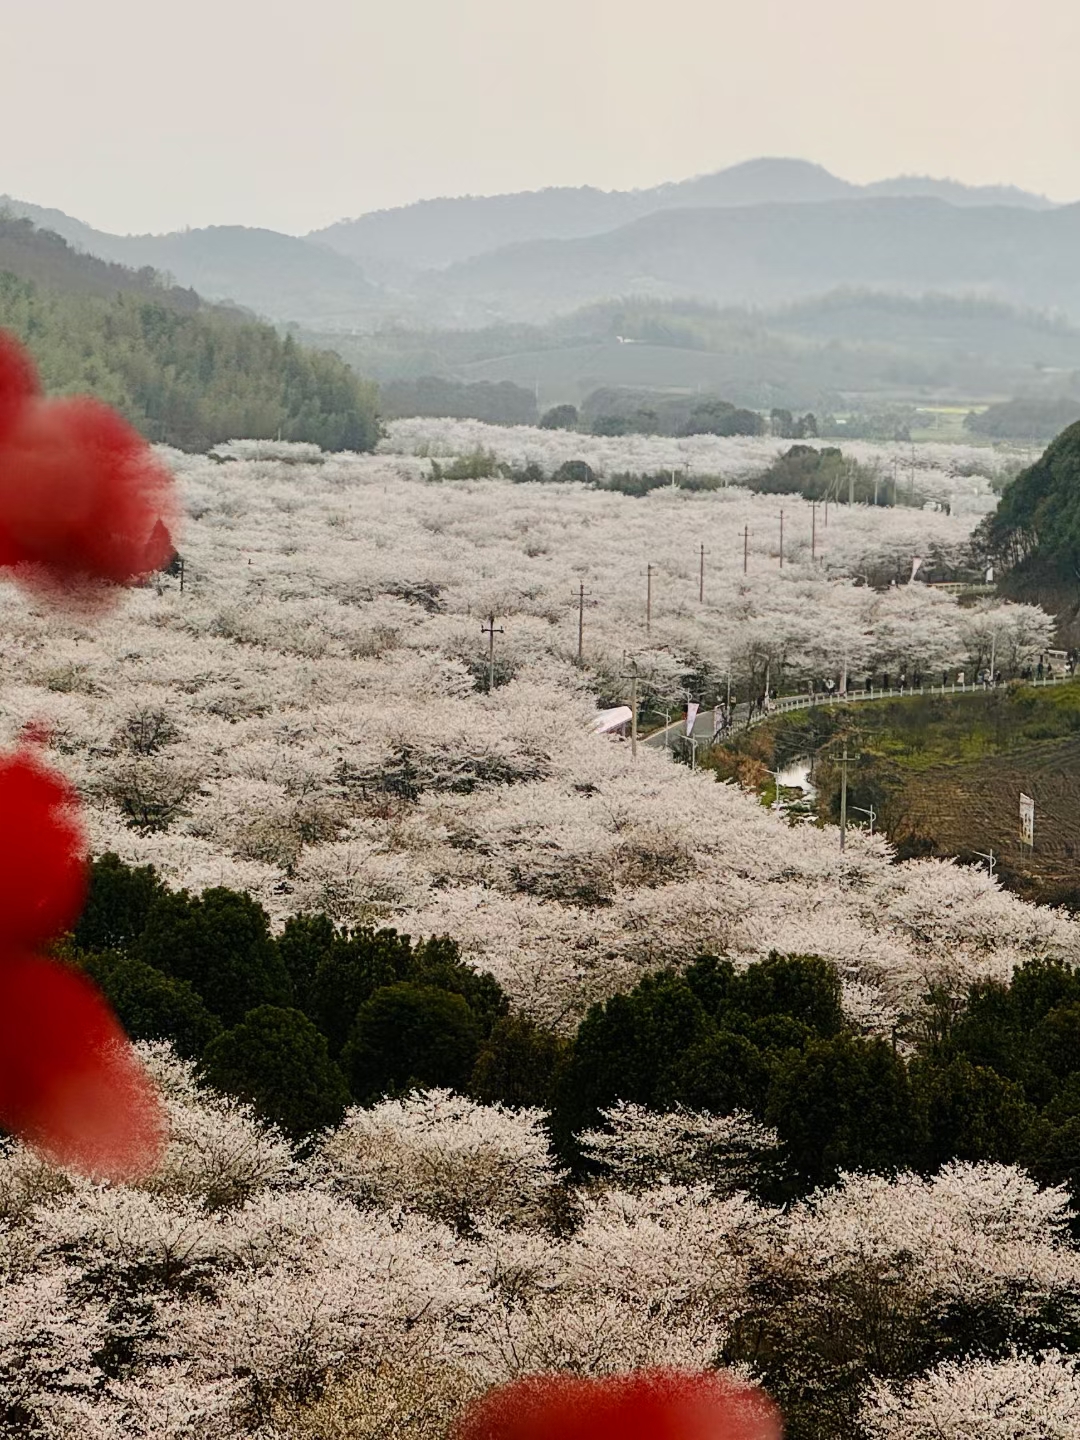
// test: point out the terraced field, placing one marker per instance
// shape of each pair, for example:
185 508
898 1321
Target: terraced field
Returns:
961 807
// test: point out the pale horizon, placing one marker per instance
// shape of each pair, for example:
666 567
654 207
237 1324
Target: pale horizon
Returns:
291 118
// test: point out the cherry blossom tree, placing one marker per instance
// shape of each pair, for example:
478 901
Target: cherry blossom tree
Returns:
1036 1396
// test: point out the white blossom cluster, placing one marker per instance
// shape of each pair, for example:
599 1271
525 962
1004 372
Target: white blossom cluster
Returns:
242 1285
307 720
954 474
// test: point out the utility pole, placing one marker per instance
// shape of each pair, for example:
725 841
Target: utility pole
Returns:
844 760
781 539
632 676
581 624
181 574
490 631
851 482
701 576
745 548
648 598
813 530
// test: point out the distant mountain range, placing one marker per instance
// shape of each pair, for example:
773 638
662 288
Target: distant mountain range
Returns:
767 232
278 276
434 233
773 254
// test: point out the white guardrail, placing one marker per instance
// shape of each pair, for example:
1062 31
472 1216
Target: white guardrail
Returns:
784 704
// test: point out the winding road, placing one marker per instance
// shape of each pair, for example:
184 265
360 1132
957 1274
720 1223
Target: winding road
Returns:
703 724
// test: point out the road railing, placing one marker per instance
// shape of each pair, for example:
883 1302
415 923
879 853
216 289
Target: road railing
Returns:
743 719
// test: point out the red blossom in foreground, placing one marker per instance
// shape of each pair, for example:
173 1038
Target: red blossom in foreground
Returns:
83 499
644 1405
83 502
69 1081
42 852
70 1084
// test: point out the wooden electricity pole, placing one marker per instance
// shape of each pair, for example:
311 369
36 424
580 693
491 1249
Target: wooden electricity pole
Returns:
745 548
701 576
490 631
632 676
781 539
844 761
813 530
581 624
648 598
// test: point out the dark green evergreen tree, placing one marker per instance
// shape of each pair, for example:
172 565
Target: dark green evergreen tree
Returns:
276 1059
411 1036
117 905
153 1006
843 1104
220 943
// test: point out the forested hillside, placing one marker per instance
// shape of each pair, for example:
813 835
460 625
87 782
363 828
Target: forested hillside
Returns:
184 372
1036 527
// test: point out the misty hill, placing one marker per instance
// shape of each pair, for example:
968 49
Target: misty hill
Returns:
766 232
434 233
273 274
772 254
46 258
183 371
845 348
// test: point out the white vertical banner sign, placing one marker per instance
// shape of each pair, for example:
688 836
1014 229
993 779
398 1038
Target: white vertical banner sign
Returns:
916 562
691 715
1027 820
717 721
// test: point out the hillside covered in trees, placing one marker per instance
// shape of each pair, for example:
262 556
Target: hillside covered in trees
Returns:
1036 526
185 373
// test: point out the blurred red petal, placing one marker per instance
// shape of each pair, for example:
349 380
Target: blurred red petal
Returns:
82 495
43 872
643 1405
18 380
70 1083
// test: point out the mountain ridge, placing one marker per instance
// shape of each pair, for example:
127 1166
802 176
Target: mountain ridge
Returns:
261 270
776 254
412 264
443 230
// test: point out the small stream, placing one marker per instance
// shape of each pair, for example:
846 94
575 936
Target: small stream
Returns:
796 776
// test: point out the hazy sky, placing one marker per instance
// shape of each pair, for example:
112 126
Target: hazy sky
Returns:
153 114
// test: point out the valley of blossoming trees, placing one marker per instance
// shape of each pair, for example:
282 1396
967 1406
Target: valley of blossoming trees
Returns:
307 719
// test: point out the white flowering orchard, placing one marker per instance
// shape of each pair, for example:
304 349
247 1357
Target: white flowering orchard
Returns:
308 720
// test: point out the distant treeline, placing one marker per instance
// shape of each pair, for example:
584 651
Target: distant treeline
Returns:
1027 418
607 411
503 403
185 373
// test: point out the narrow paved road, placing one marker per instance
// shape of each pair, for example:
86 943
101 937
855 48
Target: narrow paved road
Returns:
703 725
